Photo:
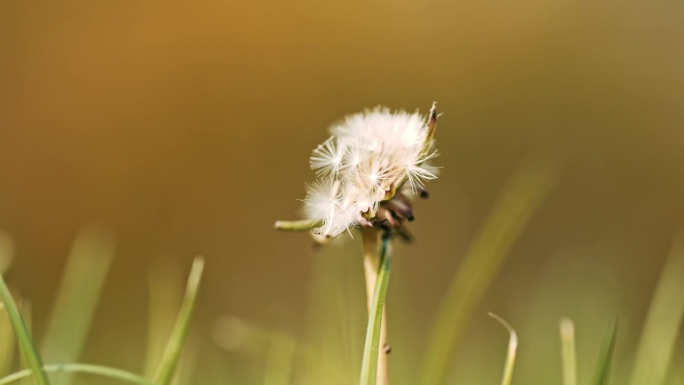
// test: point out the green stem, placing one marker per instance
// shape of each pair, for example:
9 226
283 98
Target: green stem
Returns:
370 352
81 368
26 345
303 225
179 333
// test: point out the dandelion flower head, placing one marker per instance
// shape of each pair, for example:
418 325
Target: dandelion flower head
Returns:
369 157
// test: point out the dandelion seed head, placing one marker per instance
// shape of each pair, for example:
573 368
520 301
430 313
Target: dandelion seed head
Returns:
368 157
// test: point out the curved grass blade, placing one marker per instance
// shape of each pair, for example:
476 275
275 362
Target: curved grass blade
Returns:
512 349
180 330
519 200
101 371
369 366
26 345
606 355
664 319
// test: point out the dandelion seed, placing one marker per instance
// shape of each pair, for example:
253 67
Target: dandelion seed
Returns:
326 159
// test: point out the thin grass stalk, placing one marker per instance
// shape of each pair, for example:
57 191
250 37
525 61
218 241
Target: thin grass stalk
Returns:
369 368
606 356
26 345
101 371
512 350
514 208
568 355
169 360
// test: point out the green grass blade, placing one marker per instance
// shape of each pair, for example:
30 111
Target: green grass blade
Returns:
82 282
6 341
519 200
101 371
606 356
26 345
180 331
663 321
279 360
165 297
512 349
369 365
568 355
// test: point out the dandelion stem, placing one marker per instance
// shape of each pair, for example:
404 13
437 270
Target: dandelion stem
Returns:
375 368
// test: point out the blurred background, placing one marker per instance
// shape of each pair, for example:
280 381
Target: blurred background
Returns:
184 128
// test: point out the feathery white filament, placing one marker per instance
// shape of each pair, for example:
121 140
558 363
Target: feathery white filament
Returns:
369 156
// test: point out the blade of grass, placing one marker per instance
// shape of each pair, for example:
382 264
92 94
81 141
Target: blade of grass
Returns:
6 341
279 359
7 346
26 345
101 371
165 283
180 331
568 355
26 311
519 200
370 351
663 321
512 349
77 298
606 355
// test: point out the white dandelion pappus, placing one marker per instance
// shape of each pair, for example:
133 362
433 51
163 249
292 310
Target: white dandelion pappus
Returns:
369 156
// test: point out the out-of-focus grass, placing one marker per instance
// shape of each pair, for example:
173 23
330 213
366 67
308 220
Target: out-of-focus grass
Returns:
327 354
568 351
663 322
164 298
605 358
278 350
6 341
516 204
27 347
78 298
70 321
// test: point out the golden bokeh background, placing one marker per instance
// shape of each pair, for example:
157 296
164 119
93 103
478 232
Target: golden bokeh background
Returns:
184 128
